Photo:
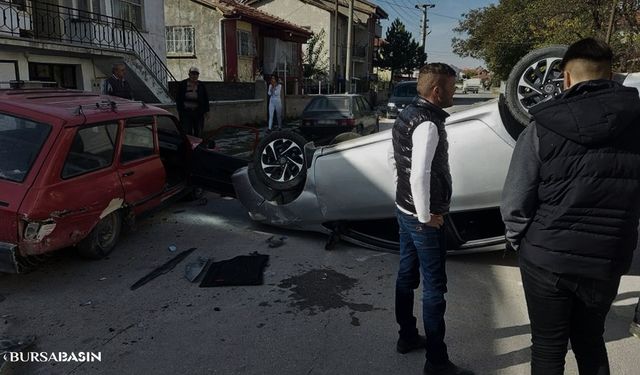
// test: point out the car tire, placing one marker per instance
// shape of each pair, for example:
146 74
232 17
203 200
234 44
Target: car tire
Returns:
376 129
103 237
360 129
536 78
279 160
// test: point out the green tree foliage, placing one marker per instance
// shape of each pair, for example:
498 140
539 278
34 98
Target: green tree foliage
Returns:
314 61
400 52
501 34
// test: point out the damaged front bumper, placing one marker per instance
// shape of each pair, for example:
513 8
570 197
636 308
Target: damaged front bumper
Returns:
8 261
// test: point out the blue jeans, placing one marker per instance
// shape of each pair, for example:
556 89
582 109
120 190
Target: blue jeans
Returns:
422 250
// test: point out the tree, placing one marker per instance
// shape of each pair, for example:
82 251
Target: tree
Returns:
502 33
400 52
314 62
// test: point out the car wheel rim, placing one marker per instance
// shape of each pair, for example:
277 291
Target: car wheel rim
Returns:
106 231
540 82
282 160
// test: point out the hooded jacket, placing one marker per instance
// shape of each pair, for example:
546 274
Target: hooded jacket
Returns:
571 200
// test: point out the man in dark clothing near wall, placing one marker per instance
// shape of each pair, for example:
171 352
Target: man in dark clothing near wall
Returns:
571 204
420 162
116 85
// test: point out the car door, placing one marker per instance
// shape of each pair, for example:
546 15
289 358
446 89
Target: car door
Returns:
204 165
212 170
140 168
367 114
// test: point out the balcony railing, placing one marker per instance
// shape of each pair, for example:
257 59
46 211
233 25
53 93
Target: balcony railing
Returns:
55 23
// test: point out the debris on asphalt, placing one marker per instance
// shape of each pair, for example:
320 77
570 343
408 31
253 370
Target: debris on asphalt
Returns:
102 279
241 270
193 270
15 344
216 309
276 242
203 202
166 267
172 248
86 303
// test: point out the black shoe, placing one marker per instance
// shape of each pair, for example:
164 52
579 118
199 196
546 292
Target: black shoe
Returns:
405 346
635 329
445 369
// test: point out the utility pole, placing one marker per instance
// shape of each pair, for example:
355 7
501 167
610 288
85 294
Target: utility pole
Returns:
612 18
335 49
349 42
425 20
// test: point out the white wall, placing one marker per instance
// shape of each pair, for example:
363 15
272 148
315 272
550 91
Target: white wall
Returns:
87 71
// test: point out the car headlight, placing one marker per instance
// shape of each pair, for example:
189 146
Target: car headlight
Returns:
391 105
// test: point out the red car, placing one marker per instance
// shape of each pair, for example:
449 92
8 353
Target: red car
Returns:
76 166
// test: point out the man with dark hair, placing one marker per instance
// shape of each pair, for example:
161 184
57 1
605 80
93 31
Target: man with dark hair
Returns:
116 85
420 162
571 204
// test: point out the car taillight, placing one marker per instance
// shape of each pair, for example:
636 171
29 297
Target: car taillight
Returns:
347 122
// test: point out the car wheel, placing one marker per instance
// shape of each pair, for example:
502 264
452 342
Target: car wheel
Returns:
536 78
360 129
103 238
279 160
376 129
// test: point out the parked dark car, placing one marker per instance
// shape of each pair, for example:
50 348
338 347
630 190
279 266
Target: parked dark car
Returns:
402 95
75 167
326 116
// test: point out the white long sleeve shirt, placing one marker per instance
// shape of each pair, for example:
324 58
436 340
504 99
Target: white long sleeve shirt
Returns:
425 140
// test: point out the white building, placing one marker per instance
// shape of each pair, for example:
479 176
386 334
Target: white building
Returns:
75 43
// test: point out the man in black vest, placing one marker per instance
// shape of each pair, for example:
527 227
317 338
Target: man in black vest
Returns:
420 163
116 84
571 204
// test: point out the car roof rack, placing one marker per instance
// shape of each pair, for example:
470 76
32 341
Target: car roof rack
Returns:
106 105
18 84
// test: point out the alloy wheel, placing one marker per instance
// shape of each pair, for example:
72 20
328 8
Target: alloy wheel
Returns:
540 82
282 160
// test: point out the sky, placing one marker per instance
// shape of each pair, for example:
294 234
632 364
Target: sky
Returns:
443 18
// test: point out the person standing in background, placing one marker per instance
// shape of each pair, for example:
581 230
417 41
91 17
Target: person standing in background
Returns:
116 85
192 103
275 101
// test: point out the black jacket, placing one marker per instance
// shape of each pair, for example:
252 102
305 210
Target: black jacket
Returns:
203 97
572 195
419 111
119 88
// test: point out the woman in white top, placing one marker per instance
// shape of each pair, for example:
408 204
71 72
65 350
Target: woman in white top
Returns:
275 101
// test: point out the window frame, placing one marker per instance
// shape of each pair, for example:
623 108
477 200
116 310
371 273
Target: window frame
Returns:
120 5
130 123
172 52
113 156
251 50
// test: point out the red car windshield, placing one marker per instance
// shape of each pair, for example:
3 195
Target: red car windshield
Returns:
20 143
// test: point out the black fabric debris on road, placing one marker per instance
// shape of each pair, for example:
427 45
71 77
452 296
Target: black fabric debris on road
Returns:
241 270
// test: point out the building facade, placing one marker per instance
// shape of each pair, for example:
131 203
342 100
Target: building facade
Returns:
231 42
75 43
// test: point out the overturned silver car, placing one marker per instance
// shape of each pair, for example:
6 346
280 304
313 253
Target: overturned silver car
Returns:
347 189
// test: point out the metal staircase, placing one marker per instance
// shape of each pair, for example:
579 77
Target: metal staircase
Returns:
99 33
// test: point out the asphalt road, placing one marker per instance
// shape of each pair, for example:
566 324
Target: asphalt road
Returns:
318 312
